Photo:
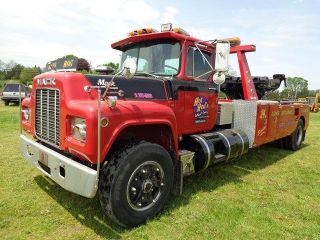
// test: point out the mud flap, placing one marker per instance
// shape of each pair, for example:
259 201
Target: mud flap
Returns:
178 179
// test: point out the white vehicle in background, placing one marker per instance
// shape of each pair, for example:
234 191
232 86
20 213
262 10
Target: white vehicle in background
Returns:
11 93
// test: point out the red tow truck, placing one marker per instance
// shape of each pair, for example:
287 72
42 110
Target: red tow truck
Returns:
132 137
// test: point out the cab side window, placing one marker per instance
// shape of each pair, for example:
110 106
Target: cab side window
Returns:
197 66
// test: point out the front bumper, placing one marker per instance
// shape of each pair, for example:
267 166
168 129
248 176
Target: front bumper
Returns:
11 99
70 175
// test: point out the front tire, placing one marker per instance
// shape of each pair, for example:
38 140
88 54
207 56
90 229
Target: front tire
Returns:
136 183
6 103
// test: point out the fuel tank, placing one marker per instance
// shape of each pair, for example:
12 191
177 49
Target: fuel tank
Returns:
214 147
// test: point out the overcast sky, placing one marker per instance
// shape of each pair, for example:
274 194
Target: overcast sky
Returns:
286 33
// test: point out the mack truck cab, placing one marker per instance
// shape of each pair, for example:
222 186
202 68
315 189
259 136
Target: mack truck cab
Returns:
131 137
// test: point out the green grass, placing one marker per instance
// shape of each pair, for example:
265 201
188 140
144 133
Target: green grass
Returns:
267 194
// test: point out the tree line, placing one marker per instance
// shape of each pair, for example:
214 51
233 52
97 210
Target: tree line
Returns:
15 71
297 87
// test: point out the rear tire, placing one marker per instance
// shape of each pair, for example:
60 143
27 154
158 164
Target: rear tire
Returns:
136 183
293 142
6 103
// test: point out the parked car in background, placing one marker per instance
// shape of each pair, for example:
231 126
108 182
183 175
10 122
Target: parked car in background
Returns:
11 93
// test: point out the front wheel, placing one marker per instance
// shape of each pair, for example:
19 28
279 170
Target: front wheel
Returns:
136 183
6 103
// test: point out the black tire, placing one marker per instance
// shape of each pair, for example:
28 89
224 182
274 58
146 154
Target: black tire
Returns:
293 142
128 201
6 103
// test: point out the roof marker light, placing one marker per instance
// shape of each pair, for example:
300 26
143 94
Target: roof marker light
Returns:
181 31
142 31
234 41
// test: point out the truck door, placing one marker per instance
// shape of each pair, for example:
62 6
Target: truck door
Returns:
201 95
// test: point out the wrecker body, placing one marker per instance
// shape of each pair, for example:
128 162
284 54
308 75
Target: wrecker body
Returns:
132 141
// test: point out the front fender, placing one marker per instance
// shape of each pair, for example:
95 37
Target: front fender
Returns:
136 113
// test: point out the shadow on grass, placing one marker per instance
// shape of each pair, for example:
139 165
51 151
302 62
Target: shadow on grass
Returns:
231 172
89 213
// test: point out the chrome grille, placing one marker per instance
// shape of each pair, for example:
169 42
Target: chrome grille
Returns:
47 115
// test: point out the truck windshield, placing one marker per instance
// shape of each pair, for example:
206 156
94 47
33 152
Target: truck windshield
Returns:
155 57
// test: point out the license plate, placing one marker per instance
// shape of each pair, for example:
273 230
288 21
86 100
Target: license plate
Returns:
43 158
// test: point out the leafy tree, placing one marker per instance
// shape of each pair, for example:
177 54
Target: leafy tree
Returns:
28 73
9 65
2 75
296 85
2 70
2 65
83 64
275 95
312 93
115 66
285 94
303 93
70 56
13 70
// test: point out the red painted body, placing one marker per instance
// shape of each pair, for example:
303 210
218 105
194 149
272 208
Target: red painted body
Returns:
274 121
161 121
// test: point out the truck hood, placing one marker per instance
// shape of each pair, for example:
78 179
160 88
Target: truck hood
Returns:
136 88
72 86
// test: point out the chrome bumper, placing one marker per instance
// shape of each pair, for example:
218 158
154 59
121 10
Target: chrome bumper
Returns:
70 175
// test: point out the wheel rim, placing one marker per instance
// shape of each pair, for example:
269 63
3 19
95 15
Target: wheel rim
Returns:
145 186
299 135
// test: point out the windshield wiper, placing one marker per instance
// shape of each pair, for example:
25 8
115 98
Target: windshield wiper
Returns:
147 74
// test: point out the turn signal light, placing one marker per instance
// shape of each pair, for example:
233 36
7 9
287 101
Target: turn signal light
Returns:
234 41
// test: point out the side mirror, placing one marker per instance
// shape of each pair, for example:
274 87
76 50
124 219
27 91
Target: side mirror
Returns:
129 68
221 62
219 78
222 56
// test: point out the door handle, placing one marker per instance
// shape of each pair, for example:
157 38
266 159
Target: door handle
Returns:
211 89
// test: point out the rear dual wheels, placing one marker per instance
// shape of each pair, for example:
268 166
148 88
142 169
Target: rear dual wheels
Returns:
136 183
293 142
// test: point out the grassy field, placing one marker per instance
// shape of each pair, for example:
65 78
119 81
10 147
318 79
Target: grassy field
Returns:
268 194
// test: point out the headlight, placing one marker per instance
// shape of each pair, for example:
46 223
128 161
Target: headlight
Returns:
78 128
26 113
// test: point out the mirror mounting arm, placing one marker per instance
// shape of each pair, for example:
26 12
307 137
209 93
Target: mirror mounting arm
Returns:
128 71
109 84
